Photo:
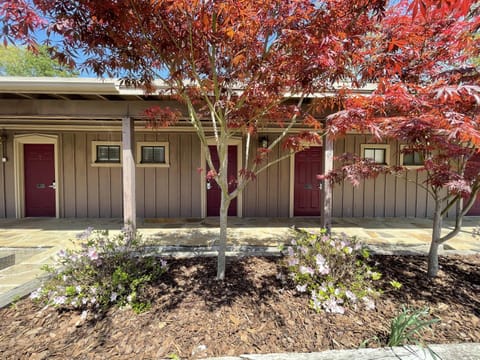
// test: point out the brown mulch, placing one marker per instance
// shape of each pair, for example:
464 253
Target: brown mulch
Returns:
195 316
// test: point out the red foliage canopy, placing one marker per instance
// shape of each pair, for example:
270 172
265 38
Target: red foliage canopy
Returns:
237 60
428 95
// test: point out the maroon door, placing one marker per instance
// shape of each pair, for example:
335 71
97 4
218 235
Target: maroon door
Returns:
213 190
472 165
308 164
39 161
475 209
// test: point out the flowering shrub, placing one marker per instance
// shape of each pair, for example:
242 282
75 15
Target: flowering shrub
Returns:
333 270
101 271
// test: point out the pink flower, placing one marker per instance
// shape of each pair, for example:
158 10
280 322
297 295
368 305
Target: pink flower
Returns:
293 262
306 270
92 254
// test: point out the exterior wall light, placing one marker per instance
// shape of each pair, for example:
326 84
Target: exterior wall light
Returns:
263 142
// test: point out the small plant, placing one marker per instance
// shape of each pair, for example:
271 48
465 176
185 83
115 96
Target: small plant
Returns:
102 270
409 326
395 284
333 270
15 300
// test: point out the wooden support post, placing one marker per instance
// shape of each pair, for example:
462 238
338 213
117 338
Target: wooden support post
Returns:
327 166
128 167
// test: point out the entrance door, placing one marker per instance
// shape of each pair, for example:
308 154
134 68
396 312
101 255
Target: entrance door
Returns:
473 164
39 172
475 209
308 164
213 190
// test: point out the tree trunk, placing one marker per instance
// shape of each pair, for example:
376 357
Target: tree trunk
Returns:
435 244
224 204
223 238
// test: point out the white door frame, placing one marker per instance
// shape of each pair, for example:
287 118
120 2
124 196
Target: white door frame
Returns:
292 180
203 180
19 170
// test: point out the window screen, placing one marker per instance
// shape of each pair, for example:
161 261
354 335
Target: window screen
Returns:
377 155
153 155
108 154
413 159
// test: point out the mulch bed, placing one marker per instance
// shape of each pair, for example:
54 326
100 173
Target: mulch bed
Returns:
194 316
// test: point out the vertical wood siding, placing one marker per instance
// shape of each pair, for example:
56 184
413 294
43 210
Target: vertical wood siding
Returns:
384 196
7 184
89 191
269 194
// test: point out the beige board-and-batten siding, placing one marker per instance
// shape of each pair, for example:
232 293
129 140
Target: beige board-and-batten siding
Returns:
269 194
7 180
384 196
88 191
171 191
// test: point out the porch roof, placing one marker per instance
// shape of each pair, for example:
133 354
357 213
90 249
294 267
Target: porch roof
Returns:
89 104
45 88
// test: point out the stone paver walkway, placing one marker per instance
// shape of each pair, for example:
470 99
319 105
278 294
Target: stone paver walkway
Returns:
52 235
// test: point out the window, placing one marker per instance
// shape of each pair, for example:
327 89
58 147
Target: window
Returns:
152 154
106 153
380 153
411 159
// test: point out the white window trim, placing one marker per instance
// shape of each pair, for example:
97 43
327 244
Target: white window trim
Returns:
407 166
376 146
153 143
105 164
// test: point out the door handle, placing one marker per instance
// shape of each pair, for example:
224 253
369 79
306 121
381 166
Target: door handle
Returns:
53 186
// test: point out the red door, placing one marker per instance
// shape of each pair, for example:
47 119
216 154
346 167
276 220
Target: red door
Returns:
472 165
39 161
213 190
308 164
475 209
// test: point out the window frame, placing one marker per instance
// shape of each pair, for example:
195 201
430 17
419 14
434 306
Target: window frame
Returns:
408 166
385 147
163 144
97 163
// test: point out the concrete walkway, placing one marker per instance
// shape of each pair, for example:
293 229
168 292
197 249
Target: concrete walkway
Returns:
35 241
443 352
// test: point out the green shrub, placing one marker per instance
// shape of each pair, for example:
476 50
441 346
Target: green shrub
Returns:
101 271
333 270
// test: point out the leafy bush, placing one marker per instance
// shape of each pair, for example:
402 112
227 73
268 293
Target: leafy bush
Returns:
101 271
333 270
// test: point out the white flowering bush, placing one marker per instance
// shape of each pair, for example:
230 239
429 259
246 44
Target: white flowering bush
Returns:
332 270
101 271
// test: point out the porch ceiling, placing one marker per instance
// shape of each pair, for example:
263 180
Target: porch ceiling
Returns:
27 102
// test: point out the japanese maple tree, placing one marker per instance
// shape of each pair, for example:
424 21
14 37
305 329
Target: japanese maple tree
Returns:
428 98
235 65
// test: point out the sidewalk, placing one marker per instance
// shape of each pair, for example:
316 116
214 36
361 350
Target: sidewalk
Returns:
444 352
48 236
